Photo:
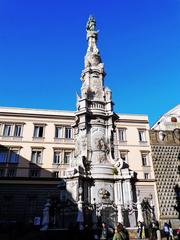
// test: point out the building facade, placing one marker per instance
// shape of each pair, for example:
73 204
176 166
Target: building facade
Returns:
165 143
91 163
35 149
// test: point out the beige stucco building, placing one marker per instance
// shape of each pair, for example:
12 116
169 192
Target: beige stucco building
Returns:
42 137
136 150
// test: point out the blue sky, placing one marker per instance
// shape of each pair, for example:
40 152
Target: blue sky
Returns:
43 43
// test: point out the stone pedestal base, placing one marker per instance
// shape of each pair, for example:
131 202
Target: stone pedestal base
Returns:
102 171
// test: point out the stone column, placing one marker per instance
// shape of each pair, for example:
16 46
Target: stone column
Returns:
127 195
129 192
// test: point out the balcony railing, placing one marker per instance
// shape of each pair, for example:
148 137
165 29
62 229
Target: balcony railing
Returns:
11 138
96 105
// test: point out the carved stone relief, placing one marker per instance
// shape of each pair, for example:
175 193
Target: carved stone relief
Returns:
97 135
92 59
99 146
103 193
81 144
177 134
162 136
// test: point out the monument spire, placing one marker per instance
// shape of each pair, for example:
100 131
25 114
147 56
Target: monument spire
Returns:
94 117
92 35
96 153
93 74
92 57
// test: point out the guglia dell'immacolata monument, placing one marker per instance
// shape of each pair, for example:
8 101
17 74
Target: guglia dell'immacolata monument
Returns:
97 177
107 168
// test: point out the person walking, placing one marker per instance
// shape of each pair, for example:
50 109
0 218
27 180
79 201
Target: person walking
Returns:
158 232
171 235
119 233
139 230
166 230
154 230
104 232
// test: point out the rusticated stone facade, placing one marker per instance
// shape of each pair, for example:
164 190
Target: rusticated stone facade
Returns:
166 159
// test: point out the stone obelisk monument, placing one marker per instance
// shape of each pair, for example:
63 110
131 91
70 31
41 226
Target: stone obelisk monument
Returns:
96 168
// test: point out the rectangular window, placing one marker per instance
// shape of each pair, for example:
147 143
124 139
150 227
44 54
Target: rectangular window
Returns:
7 130
55 174
3 156
122 135
58 132
38 131
36 156
34 173
142 136
12 129
13 156
11 172
57 157
144 157
146 175
18 130
67 156
68 132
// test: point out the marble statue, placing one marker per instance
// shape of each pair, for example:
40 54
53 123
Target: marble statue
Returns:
91 24
139 209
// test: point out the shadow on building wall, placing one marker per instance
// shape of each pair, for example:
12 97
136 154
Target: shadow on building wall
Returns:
24 190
